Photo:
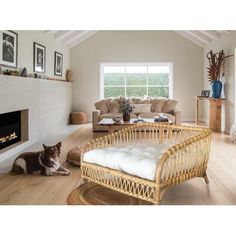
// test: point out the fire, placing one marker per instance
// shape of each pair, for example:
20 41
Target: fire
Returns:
8 137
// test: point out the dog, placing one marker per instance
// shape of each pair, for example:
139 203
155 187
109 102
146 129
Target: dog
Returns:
45 162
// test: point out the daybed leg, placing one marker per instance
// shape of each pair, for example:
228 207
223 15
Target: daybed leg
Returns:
158 197
157 203
206 178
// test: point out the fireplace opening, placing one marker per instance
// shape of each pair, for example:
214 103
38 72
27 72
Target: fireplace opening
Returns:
10 128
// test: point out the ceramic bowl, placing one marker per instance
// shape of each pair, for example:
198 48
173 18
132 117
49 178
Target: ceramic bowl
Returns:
117 118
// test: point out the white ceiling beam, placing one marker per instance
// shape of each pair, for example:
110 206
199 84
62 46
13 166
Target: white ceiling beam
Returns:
63 34
225 31
205 39
211 33
191 38
72 36
83 36
51 31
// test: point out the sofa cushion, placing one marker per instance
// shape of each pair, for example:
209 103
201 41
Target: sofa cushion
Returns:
141 108
157 104
113 106
137 100
102 105
169 105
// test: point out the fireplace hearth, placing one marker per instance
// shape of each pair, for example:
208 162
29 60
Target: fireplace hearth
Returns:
10 128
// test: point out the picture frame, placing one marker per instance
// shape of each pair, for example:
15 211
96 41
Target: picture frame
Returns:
39 58
8 48
58 64
205 93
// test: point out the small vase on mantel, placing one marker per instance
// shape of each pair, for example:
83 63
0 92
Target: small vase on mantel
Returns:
216 88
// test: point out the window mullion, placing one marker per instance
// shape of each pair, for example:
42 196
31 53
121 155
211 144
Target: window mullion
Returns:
125 83
147 77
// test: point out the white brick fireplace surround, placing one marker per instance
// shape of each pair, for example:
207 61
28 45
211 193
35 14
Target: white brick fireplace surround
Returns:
49 104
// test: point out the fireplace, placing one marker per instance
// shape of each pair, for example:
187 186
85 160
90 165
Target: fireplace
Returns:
10 128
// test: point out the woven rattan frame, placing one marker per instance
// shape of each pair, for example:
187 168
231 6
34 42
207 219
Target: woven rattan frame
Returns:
186 158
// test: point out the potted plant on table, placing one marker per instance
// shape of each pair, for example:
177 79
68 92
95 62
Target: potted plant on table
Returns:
126 109
215 70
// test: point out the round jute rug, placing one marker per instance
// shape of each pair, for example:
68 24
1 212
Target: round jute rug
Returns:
94 194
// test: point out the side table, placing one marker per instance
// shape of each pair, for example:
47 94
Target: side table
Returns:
215 110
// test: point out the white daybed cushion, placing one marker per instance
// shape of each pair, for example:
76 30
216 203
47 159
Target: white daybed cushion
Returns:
139 161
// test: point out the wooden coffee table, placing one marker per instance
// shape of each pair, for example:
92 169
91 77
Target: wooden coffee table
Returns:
112 124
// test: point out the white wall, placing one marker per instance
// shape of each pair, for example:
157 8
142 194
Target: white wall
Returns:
49 102
137 46
227 42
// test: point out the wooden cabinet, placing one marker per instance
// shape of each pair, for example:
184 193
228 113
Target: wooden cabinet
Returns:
215 110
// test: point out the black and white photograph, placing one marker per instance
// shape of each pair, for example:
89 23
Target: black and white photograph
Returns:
8 48
39 58
58 63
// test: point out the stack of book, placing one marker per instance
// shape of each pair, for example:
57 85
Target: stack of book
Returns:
161 119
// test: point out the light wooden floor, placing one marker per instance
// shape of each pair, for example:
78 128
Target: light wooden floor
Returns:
54 190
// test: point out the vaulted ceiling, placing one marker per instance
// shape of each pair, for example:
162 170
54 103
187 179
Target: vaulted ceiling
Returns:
74 37
202 37
71 37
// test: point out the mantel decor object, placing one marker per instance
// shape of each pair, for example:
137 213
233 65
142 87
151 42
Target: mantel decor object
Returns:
215 70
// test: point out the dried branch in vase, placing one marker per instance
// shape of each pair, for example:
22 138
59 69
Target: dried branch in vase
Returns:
216 65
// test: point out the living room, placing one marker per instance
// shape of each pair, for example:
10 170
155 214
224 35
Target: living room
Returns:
47 103
116 116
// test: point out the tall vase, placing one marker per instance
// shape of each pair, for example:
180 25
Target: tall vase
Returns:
216 89
126 117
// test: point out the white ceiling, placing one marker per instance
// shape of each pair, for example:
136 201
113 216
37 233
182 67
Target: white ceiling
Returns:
199 37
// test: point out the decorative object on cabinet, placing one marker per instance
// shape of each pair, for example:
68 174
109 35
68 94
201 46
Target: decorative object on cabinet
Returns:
215 70
205 93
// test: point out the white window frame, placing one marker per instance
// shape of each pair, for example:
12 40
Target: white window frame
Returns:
103 64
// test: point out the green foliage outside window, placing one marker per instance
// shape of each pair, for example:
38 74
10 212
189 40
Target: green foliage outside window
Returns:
112 81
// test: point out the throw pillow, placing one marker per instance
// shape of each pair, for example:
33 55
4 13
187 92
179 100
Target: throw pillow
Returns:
157 104
136 100
169 105
141 108
114 106
102 105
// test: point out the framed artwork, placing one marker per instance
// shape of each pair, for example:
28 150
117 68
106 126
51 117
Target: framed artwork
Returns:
58 64
39 58
8 48
205 93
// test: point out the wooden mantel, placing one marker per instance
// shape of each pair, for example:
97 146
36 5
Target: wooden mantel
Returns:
215 109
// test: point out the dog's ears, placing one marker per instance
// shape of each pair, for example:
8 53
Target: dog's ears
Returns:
58 144
45 147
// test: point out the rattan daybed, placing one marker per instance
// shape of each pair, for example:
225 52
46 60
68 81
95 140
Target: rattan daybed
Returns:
185 157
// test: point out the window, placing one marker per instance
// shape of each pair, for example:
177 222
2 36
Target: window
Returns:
136 80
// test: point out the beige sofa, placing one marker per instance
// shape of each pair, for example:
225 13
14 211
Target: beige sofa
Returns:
149 108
